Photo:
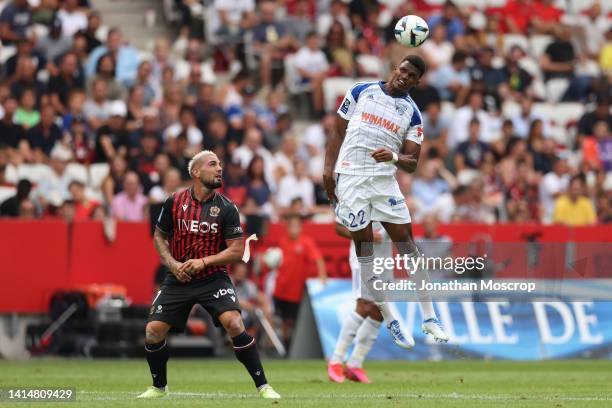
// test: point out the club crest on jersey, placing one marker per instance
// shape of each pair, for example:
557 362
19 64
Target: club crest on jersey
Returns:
214 211
401 108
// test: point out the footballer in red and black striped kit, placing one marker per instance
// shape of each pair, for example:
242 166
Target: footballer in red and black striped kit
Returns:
197 235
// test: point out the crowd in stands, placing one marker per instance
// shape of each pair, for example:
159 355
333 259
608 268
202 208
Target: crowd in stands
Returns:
515 105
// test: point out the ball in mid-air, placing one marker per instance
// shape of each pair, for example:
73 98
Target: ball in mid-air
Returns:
411 31
273 257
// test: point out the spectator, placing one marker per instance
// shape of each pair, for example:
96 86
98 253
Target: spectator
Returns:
258 192
125 57
55 44
25 78
484 72
312 66
12 133
112 139
250 147
27 115
84 208
187 124
232 19
171 183
432 181
586 123
452 80
523 120
471 153
299 24
270 43
437 50
462 118
436 125
338 51
93 24
145 79
15 20
80 140
72 19
130 205
27 210
296 185
574 208
338 13
250 298
113 182
44 136
236 184
449 17
25 49
11 206
97 108
68 79
519 81
559 60
106 71
553 184
299 253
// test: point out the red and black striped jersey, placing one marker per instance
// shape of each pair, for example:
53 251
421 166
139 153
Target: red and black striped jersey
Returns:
196 229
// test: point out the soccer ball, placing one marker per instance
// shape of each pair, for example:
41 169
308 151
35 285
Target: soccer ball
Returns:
273 257
411 31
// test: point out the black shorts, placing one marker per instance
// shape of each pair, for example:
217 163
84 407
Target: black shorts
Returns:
285 309
173 302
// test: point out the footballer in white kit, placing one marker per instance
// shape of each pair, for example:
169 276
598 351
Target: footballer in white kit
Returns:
378 129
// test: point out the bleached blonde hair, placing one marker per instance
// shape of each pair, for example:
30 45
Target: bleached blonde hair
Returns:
197 158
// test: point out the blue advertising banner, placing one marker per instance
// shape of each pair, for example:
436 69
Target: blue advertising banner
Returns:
499 329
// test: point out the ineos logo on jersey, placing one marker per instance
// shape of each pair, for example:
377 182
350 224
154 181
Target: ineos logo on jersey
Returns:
195 226
223 292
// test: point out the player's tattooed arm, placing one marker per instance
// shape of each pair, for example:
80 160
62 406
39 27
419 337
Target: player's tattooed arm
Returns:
230 255
163 249
331 156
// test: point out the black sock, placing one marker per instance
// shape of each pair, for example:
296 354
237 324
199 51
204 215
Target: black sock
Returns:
157 357
246 353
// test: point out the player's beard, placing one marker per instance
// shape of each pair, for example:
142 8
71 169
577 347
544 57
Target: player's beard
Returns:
211 184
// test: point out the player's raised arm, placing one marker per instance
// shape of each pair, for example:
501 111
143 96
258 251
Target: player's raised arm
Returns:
408 159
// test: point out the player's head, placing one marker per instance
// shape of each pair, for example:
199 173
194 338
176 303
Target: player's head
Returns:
205 168
407 74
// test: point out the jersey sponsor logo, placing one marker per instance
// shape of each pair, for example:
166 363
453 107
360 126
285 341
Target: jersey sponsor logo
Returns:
237 230
345 164
195 226
345 106
396 201
223 292
214 211
379 121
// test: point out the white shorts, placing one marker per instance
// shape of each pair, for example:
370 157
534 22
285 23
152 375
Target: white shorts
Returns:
362 199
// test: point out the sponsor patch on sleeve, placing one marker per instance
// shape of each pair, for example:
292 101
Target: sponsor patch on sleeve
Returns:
345 106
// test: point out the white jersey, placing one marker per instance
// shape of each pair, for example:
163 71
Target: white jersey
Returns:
375 120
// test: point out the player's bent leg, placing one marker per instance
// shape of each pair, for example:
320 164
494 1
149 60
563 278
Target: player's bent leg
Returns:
157 358
246 352
401 235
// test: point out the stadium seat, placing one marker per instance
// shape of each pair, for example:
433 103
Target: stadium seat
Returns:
531 66
511 40
6 52
555 88
538 44
510 108
77 171
6 193
97 173
33 172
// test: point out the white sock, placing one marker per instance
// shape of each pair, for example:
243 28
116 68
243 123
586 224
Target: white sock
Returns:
347 334
421 274
364 340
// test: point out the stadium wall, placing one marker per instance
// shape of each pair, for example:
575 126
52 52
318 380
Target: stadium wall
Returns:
43 256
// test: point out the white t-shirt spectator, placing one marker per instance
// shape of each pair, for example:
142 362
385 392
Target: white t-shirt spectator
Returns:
72 22
290 188
312 61
91 109
194 135
522 124
438 54
460 124
552 184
